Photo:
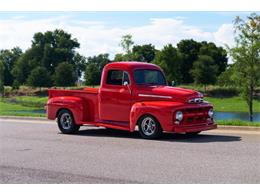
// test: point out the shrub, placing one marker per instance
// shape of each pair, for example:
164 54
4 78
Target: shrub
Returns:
64 75
39 77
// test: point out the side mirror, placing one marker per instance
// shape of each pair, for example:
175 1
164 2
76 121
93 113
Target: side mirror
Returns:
127 85
173 83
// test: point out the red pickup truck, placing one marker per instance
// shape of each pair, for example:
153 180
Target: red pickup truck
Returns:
132 96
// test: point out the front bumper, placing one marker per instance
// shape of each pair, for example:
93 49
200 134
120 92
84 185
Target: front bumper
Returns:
194 127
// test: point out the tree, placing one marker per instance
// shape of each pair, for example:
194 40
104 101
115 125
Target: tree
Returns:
204 71
224 79
218 54
170 60
94 68
1 79
79 63
120 57
189 50
39 77
48 50
56 46
126 43
246 57
144 53
24 65
64 75
9 58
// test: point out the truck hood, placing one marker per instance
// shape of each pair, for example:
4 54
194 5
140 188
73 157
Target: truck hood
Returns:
168 93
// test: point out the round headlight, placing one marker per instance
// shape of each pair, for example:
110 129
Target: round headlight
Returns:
210 113
179 115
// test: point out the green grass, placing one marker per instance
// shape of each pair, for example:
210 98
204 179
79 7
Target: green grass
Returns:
22 106
238 123
234 104
31 101
14 109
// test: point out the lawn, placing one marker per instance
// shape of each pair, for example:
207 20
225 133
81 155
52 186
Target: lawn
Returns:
234 104
238 123
31 101
10 109
23 106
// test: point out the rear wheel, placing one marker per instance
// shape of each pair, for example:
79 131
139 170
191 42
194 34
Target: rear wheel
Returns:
149 127
66 122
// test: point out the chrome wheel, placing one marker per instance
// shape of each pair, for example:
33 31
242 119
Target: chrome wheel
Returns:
148 126
66 121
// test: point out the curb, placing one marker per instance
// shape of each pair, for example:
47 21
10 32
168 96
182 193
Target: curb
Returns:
242 128
223 127
24 118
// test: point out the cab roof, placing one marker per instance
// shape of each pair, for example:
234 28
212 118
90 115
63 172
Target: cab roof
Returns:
132 65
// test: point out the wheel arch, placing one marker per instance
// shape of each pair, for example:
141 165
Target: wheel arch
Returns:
162 115
73 104
147 114
60 109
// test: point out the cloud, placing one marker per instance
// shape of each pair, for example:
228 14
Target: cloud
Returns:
225 35
97 37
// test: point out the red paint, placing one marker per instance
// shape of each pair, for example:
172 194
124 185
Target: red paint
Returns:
120 107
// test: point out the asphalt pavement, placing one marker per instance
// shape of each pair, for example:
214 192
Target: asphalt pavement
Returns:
33 151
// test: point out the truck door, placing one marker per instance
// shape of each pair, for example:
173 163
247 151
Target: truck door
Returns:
116 97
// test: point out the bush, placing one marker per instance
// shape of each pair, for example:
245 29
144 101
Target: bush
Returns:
8 90
39 77
64 75
1 79
204 71
223 92
215 90
16 84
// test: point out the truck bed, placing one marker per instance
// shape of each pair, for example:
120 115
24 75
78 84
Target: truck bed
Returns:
89 97
66 92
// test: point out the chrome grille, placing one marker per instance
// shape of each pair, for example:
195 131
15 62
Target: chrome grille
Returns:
195 100
195 115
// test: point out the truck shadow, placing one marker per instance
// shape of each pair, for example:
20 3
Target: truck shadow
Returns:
201 138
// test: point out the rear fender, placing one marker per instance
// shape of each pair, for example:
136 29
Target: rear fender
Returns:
74 104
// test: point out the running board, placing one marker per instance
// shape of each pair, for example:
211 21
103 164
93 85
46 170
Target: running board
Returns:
109 124
114 124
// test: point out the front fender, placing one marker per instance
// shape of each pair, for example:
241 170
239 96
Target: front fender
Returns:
74 104
162 111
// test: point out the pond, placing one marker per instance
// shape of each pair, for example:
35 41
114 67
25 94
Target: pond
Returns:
218 115
40 111
244 116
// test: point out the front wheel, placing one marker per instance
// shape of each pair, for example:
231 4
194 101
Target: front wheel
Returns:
66 122
149 127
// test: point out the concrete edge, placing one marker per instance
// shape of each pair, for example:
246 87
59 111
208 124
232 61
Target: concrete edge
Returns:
242 128
224 127
24 118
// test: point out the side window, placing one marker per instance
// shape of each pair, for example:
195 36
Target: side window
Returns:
126 78
115 77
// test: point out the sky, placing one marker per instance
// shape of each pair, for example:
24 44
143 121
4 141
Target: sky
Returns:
101 32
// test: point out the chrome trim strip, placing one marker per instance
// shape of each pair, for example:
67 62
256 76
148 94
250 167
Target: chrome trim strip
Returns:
155 96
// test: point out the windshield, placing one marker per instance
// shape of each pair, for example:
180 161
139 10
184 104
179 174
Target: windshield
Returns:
150 77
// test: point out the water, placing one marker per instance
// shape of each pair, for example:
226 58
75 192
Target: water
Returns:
218 115
236 115
40 111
